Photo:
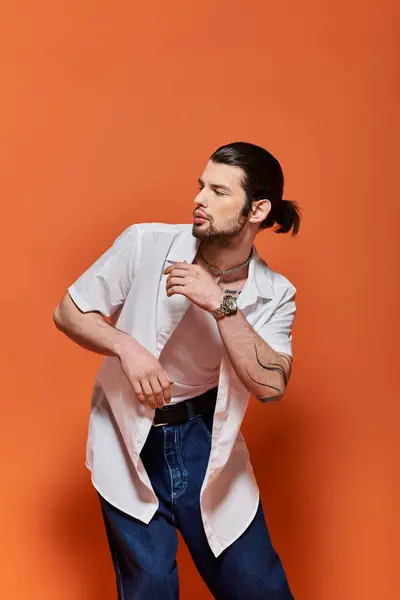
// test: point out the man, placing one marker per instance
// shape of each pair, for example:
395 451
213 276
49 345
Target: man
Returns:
191 322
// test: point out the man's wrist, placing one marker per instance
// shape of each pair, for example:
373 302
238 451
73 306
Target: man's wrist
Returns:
123 345
216 303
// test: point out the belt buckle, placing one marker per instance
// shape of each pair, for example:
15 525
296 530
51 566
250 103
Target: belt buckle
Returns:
161 424
158 424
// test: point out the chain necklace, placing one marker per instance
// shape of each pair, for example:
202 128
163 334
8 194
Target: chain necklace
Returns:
220 271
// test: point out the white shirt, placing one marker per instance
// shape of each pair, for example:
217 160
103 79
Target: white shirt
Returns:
193 369
129 273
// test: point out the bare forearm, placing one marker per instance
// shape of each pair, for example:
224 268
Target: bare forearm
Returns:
90 330
262 370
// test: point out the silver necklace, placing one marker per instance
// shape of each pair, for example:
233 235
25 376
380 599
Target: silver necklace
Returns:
220 271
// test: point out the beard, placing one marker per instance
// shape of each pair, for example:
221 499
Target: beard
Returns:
222 236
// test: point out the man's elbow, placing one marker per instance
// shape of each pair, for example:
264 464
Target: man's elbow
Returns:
57 318
61 310
269 397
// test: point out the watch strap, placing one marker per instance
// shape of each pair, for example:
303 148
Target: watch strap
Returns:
222 311
218 313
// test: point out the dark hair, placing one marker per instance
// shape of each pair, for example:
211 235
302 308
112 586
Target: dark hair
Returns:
263 178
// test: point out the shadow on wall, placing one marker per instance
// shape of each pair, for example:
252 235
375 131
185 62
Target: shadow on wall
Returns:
281 439
79 538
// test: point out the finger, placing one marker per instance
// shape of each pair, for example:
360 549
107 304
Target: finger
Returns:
158 392
179 265
177 289
137 388
178 273
148 392
165 383
183 265
176 281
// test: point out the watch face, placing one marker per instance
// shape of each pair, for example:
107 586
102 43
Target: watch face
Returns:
229 304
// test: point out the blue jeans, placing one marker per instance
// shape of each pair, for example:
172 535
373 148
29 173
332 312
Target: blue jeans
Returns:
144 556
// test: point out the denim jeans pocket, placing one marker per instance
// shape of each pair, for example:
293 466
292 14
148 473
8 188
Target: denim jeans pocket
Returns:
206 423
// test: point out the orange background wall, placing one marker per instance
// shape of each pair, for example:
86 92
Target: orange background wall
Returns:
109 112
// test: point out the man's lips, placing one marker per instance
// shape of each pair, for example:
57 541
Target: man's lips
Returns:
199 218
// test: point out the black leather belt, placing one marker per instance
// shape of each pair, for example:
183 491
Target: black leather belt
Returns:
179 413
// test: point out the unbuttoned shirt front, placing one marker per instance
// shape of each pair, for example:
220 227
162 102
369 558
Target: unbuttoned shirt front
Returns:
128 276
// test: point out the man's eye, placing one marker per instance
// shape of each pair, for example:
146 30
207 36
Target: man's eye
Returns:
216 191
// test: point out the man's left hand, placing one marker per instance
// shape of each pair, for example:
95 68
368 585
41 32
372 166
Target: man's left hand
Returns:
195 283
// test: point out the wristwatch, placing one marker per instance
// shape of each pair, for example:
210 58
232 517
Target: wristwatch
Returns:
228 307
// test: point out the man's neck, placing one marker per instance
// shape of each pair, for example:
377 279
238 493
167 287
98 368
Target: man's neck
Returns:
226 258
233 280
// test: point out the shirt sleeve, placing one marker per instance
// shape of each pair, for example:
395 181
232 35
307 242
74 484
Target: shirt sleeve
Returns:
104 286
276 331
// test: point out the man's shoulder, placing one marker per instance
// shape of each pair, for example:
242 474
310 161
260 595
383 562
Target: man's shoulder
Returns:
272 281
280 282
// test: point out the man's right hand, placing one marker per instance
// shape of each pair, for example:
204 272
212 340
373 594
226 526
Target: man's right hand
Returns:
149 380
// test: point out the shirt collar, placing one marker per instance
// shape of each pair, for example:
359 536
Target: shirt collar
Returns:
186 247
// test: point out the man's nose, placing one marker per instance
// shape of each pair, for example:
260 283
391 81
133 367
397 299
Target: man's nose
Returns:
200 199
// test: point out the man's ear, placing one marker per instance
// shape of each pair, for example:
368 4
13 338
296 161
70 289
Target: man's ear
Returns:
261 209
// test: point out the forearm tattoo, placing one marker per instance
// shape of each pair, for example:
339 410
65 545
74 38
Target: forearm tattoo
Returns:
269 367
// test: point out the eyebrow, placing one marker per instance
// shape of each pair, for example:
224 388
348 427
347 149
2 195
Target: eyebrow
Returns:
216 185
